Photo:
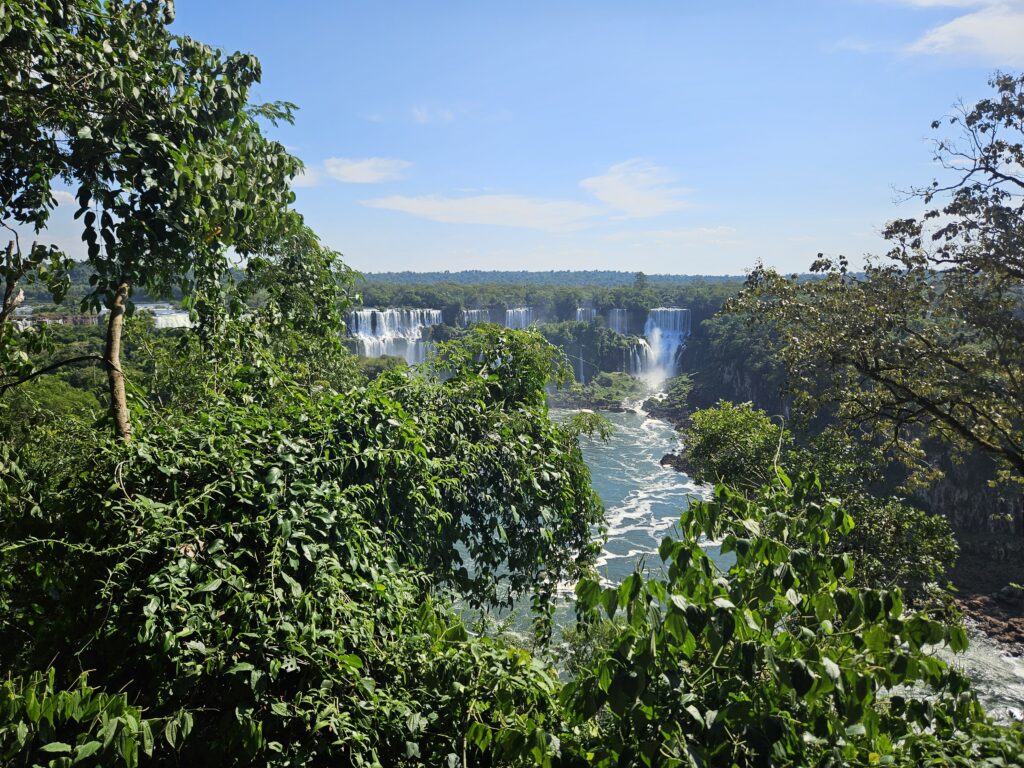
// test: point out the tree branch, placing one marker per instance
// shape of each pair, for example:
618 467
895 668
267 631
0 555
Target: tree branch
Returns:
49 369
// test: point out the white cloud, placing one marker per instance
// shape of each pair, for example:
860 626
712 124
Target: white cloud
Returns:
370 170
307 177
63 197
424 115
994 33
637 189
496 210
629 190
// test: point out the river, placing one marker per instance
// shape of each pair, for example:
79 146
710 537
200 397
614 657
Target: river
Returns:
643 501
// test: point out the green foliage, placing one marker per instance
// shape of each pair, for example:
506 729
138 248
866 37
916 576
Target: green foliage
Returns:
588 423
515 367
779 660
606 390
677 391
733 358
586 278
553 299
674 403
40 265
49 398
298 284
590 347
926 341
372 367
737 444
43 725
276 565
892 543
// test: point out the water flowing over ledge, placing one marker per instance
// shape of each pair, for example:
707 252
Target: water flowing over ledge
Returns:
393 332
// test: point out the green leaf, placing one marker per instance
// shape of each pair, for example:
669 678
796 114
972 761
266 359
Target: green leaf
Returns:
56 747
211 585
86 750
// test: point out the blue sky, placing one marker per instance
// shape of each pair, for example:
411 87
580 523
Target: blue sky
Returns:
660 136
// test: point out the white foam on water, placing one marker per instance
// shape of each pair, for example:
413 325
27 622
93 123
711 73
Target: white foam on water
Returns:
644 501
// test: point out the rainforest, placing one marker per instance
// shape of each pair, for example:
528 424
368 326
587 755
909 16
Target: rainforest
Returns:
258 508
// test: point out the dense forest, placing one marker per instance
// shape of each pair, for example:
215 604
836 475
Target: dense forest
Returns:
586 278
238 544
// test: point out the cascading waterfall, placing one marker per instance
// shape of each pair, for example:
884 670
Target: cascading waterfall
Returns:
585 314
617 320
640 354
470 316
666 329
519 318
393 332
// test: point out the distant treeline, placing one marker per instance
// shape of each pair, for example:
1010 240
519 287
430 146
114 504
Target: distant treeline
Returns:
554 303
597 278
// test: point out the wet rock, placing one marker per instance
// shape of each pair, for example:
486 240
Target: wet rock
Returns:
1011 596
675 461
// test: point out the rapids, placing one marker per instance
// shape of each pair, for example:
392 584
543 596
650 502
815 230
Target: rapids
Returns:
643 502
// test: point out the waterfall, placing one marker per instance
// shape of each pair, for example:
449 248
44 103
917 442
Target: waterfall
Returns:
585 314
617 320
639 358
470 316
666 329
519 318
393 332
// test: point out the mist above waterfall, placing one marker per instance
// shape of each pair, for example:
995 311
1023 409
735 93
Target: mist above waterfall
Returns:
666 330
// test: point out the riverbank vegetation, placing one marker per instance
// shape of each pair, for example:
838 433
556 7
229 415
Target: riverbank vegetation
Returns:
237 546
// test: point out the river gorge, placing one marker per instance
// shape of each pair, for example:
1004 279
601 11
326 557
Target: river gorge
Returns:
643 501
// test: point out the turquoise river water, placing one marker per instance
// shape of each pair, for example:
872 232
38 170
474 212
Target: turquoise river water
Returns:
644 500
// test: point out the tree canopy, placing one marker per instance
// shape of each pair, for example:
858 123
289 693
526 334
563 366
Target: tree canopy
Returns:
926 342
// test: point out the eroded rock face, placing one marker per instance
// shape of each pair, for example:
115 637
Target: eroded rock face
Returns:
1011 596
675 461
965 497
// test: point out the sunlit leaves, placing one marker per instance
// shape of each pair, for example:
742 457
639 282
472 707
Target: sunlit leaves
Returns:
779 660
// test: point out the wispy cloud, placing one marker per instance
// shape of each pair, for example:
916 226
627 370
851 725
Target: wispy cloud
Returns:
993 33
63 197
424 115
637 189
370 170
629 190
496 210
307 177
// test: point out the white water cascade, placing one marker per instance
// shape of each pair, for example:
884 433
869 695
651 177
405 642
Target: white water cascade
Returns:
640 355
470 316
666 329
519 318
585 314
617 320
393 332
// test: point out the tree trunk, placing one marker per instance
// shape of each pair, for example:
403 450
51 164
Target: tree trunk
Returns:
112 362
